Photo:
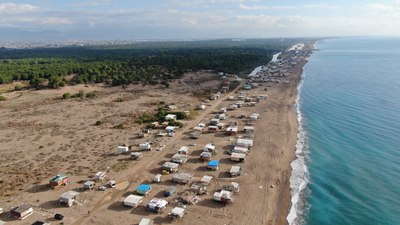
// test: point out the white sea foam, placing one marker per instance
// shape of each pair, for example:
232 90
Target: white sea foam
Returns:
299 178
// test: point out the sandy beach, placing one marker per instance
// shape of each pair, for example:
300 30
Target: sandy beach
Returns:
58 136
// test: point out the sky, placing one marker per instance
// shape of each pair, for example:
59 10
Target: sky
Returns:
198 19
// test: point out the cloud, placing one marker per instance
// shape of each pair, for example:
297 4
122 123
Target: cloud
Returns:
259 7
320 6
12 8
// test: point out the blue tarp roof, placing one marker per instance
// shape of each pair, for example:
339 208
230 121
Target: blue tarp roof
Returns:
143 188
213 163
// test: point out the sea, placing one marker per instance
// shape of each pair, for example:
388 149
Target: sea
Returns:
347 169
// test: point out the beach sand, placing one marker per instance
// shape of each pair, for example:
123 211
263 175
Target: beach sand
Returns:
264 197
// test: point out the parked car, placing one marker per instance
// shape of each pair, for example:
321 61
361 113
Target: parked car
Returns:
58 216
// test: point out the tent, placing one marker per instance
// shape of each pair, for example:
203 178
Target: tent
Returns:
133 201
213 164
143 189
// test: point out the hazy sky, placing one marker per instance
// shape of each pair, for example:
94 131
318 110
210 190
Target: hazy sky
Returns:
159 19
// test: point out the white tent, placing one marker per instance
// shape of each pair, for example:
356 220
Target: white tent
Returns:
133 201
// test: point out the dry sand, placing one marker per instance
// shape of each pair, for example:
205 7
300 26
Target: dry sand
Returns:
42 136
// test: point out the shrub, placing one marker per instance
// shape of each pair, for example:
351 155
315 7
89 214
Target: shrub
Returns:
91 94
98 123
175 123
18 88
2 98
66 95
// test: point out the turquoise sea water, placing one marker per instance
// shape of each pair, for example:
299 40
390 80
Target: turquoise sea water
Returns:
350 107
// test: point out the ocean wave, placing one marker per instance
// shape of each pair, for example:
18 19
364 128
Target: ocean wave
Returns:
300 175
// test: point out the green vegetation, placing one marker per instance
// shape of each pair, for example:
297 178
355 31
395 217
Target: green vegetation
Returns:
66 95
2 98
98 123
148 63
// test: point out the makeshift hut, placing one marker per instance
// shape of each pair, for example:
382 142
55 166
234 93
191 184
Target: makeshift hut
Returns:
189 197
170 191
145 146
232 130
206 179
136 155
21 211
206 156
143 189
170 117
210 148
58 180
88 185
157 205
213 165
122 149
244 143
179 158
100 175
146 221
223 196
238 157
133 201
170 167
242 150
183 150
182 178
68 198
235 171
233 187
177 212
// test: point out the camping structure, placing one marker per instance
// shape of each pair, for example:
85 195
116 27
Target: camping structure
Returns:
183 150
223 196
146 221
206 156
195 134
100 175
133 201
182 178
157 205
189 197
145 146
206 179
170 167
254 116
248 129
179 158
235 171
143 189
122 149
232 130
245 143
156 178
170 129
238 157
136 155
222 116
170 117
240 149
199 188
58 180
233 187
177 212
213 165
170 191
213 129
210 148
88 185
21 211
214 121
68 198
